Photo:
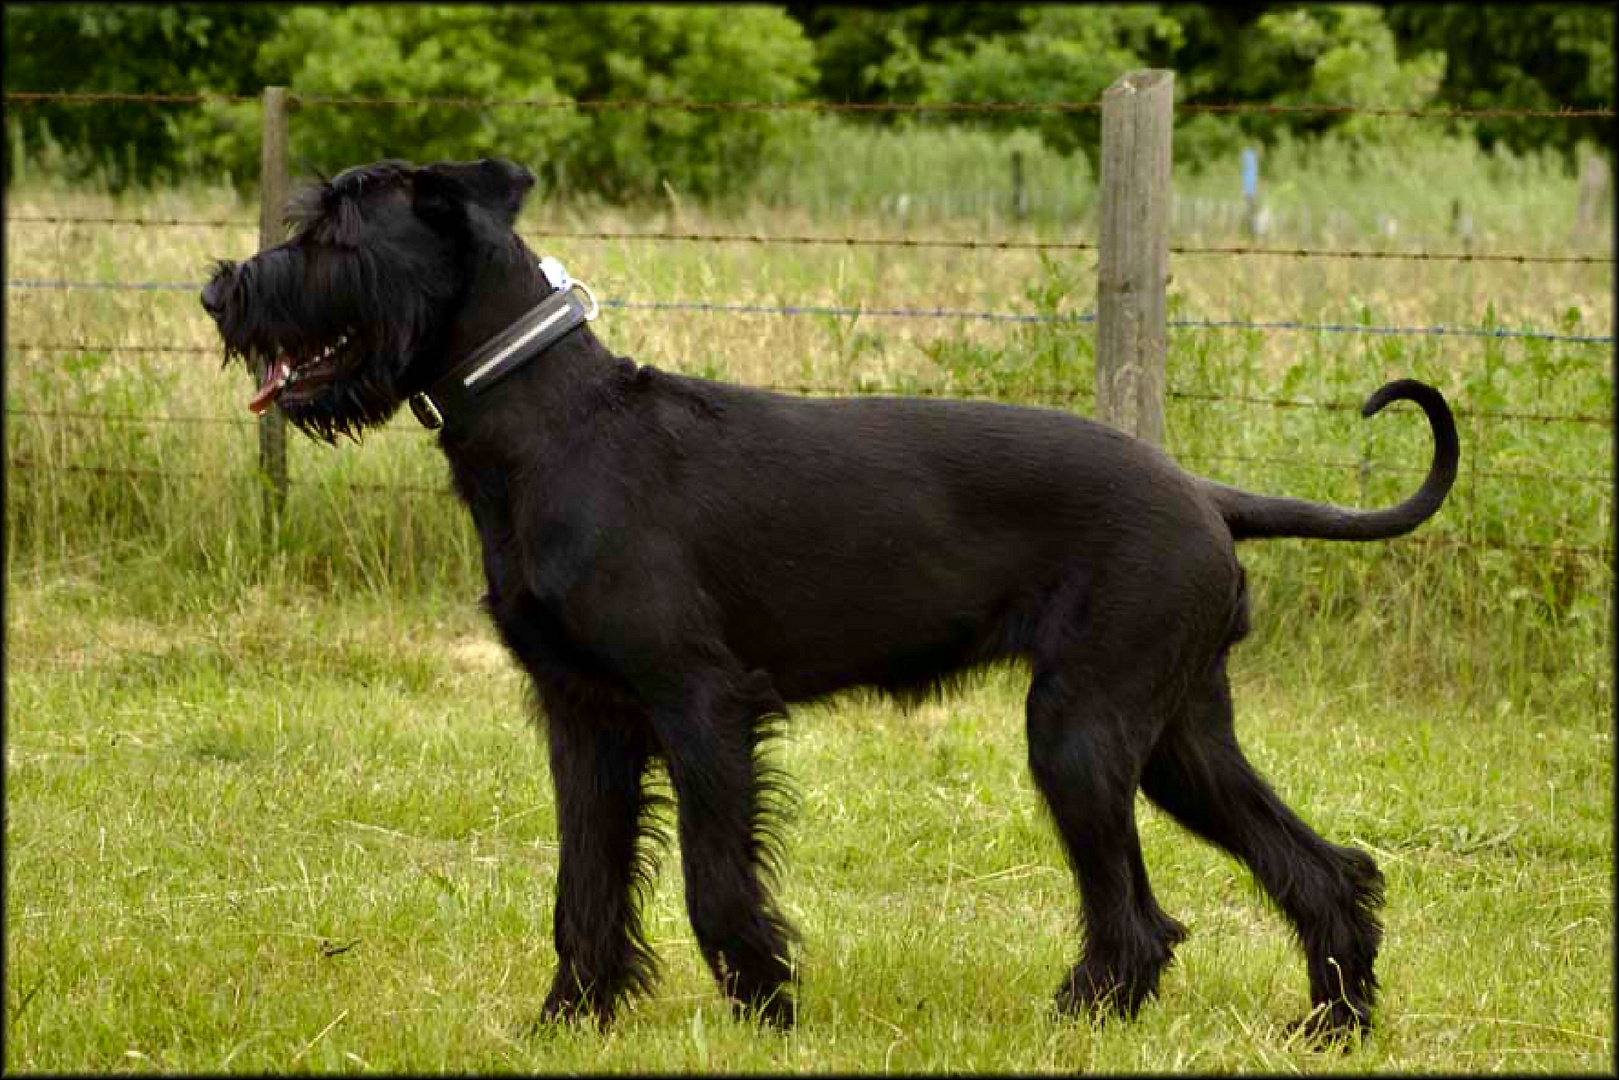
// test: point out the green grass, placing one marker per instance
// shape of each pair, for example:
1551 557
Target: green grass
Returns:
276 831
284 808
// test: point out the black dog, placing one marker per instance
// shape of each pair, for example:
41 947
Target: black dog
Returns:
673 560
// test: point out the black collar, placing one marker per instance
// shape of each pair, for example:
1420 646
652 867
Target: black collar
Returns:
539 329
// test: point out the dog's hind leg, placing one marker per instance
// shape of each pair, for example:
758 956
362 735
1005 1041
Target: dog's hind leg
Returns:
710 735
1330 894
599 764
1085 752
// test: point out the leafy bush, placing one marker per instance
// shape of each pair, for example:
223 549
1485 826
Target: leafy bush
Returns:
1060 54
544 57
128 48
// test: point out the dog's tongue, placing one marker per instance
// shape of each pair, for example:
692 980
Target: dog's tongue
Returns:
273 381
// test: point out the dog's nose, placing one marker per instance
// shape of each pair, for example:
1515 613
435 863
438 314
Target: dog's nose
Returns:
213 293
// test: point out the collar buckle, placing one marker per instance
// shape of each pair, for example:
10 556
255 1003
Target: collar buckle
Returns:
427 413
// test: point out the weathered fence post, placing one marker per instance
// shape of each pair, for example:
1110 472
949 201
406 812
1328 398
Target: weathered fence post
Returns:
1594 177
1020 196
273 182
1461 224
1137 119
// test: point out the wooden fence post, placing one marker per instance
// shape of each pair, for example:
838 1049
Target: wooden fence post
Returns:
1020 196
1137 120
1593 191
273 183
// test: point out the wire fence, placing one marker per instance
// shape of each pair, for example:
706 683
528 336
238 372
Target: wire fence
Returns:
443 491
789 310
992 244
687 105
1530 476
1049 394
859 311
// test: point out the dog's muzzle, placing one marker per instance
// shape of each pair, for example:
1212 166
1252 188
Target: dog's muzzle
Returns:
214 293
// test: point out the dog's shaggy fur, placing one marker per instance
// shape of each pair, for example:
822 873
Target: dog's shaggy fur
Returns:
673 560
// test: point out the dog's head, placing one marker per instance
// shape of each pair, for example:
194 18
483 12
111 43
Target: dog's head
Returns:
367 300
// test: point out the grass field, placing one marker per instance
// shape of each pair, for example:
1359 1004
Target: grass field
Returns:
283 808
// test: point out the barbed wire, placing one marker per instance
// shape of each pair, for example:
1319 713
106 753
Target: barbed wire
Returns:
97 97
111 347
440 491
133 222
111 471
1047 394
1560 112
1461 412
1039 393
994 244
1604 551
1428 256
1367 467
789 310
153 419
1068 393
50 284
1355 328
1525 476
81 97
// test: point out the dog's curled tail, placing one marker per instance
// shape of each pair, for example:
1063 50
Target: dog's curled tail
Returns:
1252 516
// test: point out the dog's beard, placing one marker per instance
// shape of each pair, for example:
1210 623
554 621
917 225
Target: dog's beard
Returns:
310 368
325 390
332 358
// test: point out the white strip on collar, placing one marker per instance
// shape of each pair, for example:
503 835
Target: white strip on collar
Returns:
555 273
518 343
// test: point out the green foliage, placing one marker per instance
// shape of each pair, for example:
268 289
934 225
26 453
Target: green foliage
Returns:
1057 54
396 52
1393 56
1525 56
1044 360
681 53
1351 59
547 56
853 44
131 48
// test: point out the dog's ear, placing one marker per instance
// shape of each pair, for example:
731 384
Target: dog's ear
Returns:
495 184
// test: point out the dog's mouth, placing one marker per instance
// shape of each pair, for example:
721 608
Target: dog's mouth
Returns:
296 376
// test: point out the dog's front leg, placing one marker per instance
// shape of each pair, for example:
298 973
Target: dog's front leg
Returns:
709 734
598 764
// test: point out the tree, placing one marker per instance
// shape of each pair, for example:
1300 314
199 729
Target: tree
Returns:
547 57
133 48
1523 56
853 44
1345 54
553 54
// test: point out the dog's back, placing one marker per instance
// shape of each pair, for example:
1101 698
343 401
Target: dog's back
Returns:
893 541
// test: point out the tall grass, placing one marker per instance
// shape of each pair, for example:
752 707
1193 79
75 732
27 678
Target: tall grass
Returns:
923 173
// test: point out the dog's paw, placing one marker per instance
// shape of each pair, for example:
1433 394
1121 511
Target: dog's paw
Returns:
569 1002
1330 1026
1100 995
778 1012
